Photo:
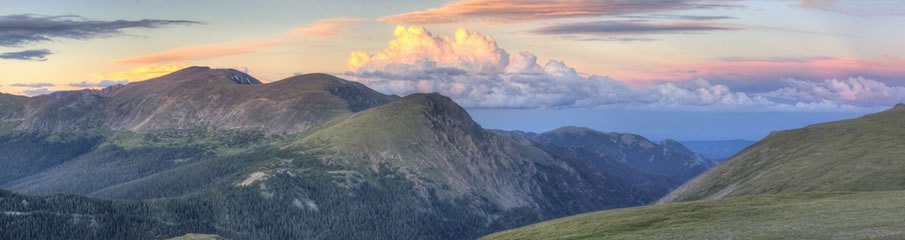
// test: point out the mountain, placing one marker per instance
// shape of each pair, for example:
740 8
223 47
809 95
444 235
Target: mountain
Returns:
718 150
200 97
839 215
669 158
307 157
862 154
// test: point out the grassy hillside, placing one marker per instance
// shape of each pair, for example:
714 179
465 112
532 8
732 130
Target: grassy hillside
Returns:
870 215
718 150
862 154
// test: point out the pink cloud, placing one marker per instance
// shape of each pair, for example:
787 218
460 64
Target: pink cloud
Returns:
328 27
206 51
514 11
770 69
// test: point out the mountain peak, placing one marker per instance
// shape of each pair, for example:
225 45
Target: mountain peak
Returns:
435 104
202 73
314 81
427 98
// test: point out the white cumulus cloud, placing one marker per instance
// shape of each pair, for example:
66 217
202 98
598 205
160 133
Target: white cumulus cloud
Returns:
473 70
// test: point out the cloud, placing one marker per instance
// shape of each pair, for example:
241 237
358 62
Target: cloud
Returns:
617 39
101 84
36 92
206 51
466 50
328 27
704 18
857 7
18 30
27 55
32 85
470 68
677 17
140 73
775 59
764 72
508 11
854 90
628 28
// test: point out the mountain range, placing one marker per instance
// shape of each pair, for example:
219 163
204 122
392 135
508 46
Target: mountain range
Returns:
836 180
216 151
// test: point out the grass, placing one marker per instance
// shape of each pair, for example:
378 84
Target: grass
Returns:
863 154
839 215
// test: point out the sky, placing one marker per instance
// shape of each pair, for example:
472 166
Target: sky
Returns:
682 69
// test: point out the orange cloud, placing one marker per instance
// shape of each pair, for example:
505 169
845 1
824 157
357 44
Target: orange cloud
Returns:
327 27
140 73
206 51
515 10
469 50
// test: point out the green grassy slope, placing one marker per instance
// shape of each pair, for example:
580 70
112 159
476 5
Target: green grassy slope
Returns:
865 215
862 154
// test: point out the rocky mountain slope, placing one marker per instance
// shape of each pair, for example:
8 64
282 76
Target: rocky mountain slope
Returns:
862 154
311 156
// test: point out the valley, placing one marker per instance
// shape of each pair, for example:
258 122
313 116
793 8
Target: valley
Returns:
191 152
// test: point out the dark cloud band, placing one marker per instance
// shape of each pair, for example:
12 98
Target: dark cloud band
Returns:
18 30
627 28
32 85
102 83
27 55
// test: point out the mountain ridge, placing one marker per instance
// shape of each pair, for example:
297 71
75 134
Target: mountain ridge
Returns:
291 158
861 154
207 98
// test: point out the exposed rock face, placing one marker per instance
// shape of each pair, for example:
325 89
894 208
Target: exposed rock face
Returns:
241 77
